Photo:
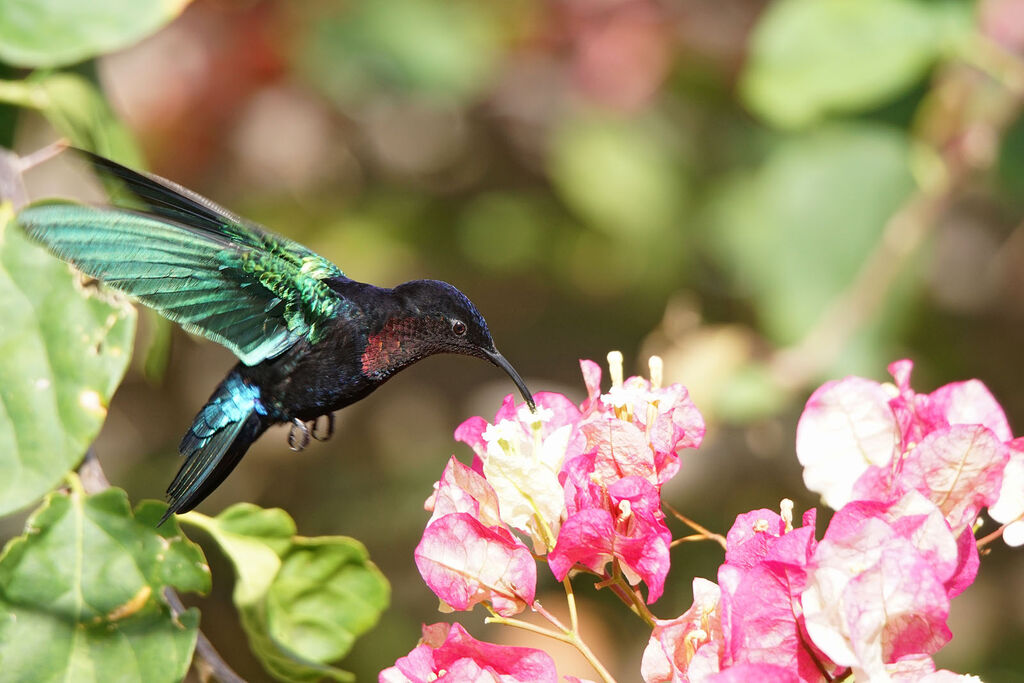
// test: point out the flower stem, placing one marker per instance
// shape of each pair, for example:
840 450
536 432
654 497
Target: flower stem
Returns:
562 634
570 599
636 601
985 540
704 533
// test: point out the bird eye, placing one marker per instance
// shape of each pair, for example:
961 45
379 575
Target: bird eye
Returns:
458 327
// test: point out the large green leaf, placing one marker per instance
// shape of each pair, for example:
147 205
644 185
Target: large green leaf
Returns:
445 49
63 350
796 231
812 57
52 33
303 601
623 178
81 593
77 110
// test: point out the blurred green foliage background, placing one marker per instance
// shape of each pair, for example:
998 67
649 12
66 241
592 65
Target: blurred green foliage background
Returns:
767 194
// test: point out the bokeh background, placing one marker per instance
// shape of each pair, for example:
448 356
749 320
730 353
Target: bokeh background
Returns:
766 194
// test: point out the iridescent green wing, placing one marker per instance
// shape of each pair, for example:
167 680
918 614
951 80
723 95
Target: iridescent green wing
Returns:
198 265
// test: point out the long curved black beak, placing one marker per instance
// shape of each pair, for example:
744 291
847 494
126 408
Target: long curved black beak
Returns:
500 361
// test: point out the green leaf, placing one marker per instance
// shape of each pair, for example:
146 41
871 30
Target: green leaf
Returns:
303 601
445 49
812 57
63 351
77 110
48 33
796 231
81 593
620 177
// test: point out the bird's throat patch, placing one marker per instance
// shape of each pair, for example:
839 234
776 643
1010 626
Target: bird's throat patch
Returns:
390 348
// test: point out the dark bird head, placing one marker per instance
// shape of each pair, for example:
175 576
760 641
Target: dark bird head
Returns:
448 322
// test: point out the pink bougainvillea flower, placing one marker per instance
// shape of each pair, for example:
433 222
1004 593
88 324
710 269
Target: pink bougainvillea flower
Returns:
639 413
966 403
689 647
852 429
462 489
1008 509
846 427
465 562
521 454
959 468
761 581
448 654
622 521
872 596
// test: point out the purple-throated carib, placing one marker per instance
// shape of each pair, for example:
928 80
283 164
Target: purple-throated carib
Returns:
310 340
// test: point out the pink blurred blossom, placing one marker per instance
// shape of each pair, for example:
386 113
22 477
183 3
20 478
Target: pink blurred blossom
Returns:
447 653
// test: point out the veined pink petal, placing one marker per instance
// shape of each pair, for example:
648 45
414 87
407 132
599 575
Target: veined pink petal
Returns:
750 535
447 653
465 562
622 450
846 426
471 433
592 380
970 403
746 672
959 468
462 489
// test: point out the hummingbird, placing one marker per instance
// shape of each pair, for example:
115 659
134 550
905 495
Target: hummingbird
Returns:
309 340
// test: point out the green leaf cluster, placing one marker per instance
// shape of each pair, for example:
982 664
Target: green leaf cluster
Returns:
303 601
82 590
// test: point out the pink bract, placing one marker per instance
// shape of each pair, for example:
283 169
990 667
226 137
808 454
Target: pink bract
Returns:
761 582
621 521
447 653
689 647
872 597
465 562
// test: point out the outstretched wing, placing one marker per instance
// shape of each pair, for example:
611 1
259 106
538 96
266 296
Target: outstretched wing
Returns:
197 264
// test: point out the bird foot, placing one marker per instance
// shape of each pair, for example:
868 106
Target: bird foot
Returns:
298 435
321 436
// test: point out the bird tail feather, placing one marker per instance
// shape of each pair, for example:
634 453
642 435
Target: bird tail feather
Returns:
222 432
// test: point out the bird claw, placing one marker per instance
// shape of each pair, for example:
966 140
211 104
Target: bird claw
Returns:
330 428
298 427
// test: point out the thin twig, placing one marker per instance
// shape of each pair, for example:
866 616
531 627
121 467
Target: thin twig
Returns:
94 480
559 633
42 154
704 533
210 659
